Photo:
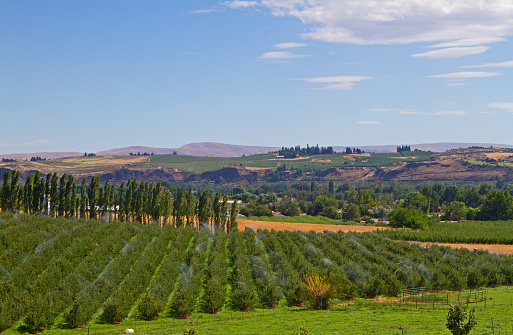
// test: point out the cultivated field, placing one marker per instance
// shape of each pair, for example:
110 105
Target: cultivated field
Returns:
506 249
58 274
312 163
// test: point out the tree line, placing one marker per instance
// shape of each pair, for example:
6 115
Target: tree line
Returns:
297 151
134 201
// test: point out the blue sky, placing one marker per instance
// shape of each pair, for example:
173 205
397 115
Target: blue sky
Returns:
94 75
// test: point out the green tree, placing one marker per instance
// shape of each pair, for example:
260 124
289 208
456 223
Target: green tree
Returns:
409 218
456 209
121 201
416 200
233 217
54 194
6 192
180 209
166 205
352 213
156 208
456 320
93 195
83 199
71 197
498 205
261 210
204 208
62 195
190 208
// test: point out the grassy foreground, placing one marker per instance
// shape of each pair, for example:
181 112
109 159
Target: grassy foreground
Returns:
363 317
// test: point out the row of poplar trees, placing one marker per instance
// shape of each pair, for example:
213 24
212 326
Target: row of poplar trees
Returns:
133 201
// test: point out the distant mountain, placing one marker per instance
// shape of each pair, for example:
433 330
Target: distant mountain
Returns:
134 150
433 147
222 150
47 155
194 149
231 150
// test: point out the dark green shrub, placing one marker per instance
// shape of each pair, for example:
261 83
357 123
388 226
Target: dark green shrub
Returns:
262 210
148 309
110 313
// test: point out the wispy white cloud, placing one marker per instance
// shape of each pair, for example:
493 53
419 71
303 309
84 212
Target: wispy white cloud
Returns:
277 55
453 23
452 52
337 82
459 113
407 112
24 144
390 110
439 113
203 11
368 122
237 4
466 42
464 75
508 63
289 45
508 106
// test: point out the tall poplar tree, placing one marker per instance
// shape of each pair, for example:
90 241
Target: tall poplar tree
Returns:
83 199
190 208
204 208
54 193
94 185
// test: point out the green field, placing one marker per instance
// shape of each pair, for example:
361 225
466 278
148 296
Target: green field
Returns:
203 164
56 274
362 317
301 219
482 232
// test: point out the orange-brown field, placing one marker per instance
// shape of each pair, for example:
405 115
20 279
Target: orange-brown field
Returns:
255 225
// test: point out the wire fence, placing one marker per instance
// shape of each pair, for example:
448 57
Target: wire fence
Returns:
421 296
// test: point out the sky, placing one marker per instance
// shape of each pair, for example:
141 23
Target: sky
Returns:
93 75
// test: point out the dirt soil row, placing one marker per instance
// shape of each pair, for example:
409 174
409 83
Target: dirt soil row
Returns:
505 249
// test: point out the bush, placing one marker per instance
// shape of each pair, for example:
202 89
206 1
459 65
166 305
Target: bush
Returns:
319 289
303 330
456 318
262 210
148 309
110 313
409 218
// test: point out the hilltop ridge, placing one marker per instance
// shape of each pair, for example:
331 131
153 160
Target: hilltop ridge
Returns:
215 149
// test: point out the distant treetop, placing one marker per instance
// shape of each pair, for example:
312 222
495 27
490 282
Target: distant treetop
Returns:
297 151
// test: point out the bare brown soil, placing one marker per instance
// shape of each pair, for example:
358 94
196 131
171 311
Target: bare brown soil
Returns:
255 168
506 249
288 159
281 226
321 160
499 155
